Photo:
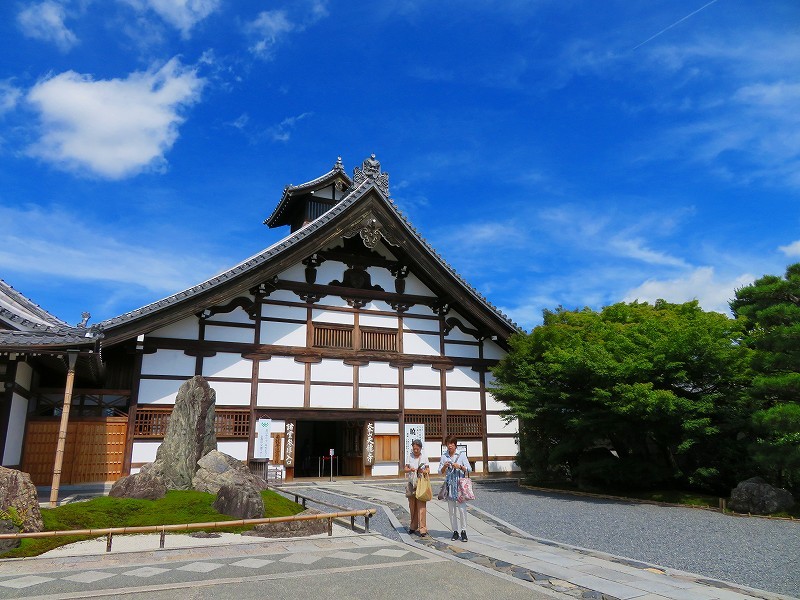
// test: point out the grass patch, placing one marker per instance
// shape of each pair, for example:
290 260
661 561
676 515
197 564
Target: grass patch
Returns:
177 507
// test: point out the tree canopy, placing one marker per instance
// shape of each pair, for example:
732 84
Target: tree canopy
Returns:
636 395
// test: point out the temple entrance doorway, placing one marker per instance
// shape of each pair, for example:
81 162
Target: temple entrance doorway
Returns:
315 439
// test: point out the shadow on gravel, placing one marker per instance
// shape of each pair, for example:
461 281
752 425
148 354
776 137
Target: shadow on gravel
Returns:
508 487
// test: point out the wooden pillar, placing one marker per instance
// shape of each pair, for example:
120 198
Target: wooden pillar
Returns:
72 358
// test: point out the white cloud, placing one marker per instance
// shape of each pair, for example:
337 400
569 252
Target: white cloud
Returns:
182 14
112 128
271 26
792 249
45 21
702 284
283 130
9 97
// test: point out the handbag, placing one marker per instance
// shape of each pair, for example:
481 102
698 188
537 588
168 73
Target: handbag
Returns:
424 492
410 489
442 491
465 491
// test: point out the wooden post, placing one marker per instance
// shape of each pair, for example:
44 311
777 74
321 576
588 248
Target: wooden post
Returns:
72 358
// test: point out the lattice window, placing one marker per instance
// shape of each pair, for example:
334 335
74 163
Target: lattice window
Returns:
382 340
331 336
461 426
228 423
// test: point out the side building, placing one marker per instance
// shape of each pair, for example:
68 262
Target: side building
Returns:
341 334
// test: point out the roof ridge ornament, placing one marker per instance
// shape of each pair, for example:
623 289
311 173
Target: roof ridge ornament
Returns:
371 171
339 165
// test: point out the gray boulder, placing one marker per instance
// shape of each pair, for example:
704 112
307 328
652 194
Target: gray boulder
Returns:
147 484
18 492
291 528
757 497
190 434
217 469
243 502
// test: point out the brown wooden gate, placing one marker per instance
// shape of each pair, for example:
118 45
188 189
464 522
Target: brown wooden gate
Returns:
94 452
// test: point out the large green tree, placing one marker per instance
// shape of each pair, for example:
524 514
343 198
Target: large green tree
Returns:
769 309
635 395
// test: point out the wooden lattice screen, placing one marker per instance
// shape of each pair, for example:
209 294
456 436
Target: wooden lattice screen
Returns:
380 340
229 422
461 426
333 337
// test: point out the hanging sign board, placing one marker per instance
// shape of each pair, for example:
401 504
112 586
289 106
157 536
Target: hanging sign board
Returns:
263 447
288 460
369 443
414 431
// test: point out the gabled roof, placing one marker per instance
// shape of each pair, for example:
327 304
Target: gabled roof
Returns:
365 206
283 210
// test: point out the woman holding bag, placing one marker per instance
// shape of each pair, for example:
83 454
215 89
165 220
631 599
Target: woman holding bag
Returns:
454 466
416 467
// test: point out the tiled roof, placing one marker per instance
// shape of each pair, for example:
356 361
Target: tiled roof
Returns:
290 190
281 246
22 313
67 337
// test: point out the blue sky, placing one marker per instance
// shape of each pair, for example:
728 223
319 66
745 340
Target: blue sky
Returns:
555 152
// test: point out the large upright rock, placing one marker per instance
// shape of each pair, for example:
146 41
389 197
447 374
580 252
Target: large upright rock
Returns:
758 497
190 434
18 492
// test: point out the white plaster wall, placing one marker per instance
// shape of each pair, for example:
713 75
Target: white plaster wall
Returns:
294 273
503 466
414 343
282 367
474 449
285 395
168 362
186 329
231 393
502 446
230 334
12 453
283 295
278 311
492 351
24 376
423 399
421 375
378 398
463 377
416 287
236 449
332 316
159 391
336 301
461 350
332 396
385 469
378 305
144 451
283 334
384 321
329 271
331 370
378 372
227 365
381 277
237 315
496 424
457 333
458 400
493 403
387 428
431 325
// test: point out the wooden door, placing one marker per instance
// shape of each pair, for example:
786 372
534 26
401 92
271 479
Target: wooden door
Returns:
94 451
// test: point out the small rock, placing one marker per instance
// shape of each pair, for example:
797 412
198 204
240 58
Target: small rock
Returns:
758 497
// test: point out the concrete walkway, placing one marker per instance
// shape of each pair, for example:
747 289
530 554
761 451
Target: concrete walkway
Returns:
500 548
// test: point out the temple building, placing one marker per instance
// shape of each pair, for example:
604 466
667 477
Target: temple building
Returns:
342 333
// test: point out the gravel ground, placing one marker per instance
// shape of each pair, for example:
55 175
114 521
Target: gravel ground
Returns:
759 553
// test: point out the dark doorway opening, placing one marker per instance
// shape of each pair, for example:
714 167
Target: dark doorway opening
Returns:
315 439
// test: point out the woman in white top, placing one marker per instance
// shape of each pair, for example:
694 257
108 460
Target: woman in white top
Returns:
454 465
416 465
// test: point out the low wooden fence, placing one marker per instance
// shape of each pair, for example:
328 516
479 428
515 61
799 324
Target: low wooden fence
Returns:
110 532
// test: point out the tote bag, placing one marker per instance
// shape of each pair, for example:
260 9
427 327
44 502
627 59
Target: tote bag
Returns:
424 492
465 491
